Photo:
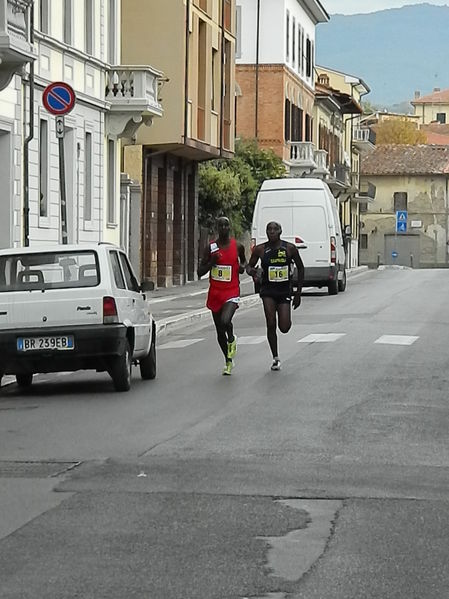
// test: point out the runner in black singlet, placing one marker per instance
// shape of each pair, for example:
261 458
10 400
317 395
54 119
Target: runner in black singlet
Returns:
276 257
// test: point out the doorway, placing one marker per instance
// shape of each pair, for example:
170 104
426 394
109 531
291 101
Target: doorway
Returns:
403 250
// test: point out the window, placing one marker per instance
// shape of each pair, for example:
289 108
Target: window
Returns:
88 176
302 52
68 22
131 281
363 241
293 42
299 48
441 117
238 32
287 37
308 58
89 16
214 81
112 48
43 168
117 271
111 181
400 200
43 16
287 120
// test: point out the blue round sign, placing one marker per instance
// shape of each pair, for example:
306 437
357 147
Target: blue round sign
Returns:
59 98
394 254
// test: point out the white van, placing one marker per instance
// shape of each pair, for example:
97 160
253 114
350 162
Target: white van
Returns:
307 212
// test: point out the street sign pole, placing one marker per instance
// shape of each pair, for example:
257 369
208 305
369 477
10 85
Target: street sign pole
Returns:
59 99
62 187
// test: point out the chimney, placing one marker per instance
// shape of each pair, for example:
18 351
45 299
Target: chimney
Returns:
436 89
417 94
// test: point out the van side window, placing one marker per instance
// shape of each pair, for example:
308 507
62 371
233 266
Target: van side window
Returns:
116 271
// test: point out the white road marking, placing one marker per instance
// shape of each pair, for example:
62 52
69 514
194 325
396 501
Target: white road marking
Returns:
321 338
179 344
397 339
251 340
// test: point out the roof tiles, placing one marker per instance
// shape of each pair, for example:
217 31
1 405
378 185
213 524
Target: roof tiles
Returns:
404 159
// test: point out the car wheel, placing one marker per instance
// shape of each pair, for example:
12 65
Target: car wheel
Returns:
24 380
342 283
148 363
120 370
333 288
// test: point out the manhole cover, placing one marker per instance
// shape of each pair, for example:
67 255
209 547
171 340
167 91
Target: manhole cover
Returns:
28 469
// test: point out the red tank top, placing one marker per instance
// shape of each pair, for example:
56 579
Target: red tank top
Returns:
224 277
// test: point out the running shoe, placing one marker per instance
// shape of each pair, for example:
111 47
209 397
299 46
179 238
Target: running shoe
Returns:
227 370
276 364
232 347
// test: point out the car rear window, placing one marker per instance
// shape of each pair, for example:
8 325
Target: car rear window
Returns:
48 270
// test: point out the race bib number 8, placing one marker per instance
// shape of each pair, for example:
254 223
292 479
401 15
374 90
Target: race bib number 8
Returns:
277 274
221 273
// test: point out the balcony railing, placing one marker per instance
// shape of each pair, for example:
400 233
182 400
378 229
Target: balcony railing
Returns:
133 87
320 157
302 153
15 44
364 135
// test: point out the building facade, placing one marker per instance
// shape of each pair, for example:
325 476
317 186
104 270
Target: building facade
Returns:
193 42
275 72
76 42
412 183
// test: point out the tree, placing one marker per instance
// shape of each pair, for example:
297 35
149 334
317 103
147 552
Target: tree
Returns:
230 187
398 131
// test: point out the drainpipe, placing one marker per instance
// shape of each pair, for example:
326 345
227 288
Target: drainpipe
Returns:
26 144
222 75
186 74
256 108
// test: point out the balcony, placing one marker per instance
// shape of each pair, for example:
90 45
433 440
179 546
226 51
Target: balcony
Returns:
363 138
321 170
16 49
367 192
302 159
340 177
132 94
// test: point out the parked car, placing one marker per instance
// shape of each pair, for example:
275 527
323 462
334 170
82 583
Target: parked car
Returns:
73 307
308 214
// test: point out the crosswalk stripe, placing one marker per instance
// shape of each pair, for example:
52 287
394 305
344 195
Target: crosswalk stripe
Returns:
251 340
321 338
397 339
179 344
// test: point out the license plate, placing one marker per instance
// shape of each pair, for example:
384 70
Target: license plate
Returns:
61 342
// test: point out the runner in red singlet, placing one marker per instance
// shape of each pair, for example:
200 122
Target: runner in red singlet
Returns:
225 260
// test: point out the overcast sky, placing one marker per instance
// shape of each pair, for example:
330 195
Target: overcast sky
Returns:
351 7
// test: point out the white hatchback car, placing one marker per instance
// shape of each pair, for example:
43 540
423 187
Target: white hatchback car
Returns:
74 307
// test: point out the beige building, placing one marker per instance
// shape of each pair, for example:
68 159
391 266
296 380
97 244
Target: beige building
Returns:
193 43
433 107
408 222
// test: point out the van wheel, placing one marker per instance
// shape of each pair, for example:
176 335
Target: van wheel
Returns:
120 370
342 283
333 288
24 380
148 363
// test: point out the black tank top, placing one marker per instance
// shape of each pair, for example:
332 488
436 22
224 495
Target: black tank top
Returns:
276 272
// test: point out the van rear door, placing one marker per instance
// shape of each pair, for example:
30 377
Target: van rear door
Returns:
310 229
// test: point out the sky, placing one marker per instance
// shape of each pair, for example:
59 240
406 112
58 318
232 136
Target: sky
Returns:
351 7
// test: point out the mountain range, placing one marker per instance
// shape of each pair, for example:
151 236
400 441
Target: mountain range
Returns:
396 51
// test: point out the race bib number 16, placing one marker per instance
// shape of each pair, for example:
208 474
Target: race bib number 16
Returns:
221 272
277 274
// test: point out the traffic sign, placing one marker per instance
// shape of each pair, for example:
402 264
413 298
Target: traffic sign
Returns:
394 254
59 98
401 221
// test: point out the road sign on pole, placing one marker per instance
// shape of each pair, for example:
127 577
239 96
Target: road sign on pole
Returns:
59 99
401 221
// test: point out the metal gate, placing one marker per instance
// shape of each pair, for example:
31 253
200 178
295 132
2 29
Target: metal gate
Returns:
403 250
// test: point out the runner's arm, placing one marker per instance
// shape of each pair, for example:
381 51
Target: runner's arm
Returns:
207 261
300 269
254 259
242 258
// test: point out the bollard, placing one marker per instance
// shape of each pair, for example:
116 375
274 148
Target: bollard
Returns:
411 260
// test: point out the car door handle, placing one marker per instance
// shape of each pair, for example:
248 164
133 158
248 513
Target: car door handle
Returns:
302 246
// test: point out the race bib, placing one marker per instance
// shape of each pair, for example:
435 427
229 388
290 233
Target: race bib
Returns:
277 274
220 272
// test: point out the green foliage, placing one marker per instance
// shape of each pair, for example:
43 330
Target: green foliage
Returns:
229 187
395 131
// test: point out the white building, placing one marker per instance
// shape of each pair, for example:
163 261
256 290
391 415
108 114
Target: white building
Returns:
77 42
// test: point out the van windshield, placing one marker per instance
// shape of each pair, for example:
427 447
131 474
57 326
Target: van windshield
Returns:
48 270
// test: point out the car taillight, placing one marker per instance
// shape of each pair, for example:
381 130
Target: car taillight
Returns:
252 244
299 240
333 250
109 310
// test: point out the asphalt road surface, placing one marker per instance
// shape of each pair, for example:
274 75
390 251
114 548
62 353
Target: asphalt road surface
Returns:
326 480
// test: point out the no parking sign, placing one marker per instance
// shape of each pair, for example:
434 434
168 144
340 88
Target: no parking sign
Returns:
59 98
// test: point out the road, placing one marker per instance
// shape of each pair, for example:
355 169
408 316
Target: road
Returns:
326 480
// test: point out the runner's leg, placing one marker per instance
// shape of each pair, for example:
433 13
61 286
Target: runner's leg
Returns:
221 332
227 313
284 317
269 306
